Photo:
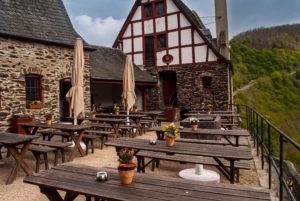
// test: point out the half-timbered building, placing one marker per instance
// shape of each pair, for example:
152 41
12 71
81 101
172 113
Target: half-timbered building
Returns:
169 40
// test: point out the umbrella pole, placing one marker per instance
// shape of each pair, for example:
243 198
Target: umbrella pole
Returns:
75 121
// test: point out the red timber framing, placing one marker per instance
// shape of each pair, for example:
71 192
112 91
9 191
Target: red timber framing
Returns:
193 28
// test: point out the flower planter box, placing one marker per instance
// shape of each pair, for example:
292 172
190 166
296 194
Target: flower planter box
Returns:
36 106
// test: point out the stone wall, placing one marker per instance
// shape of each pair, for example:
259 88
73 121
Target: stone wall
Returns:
189 90
52 62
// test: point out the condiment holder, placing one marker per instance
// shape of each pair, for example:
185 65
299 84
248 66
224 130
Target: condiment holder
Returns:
101 176
152 142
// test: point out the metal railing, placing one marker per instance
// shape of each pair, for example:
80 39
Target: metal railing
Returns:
269 142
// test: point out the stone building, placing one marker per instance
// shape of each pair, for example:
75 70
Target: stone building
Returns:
36 57
170 41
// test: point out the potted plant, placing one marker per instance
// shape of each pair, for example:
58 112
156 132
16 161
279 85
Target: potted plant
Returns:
116 109
48 119
126 166
171 132
209 108
194 123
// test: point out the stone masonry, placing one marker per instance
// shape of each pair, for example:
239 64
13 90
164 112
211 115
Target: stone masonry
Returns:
54 63
189 81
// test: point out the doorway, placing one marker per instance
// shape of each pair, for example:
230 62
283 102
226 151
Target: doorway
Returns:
168 80
65 85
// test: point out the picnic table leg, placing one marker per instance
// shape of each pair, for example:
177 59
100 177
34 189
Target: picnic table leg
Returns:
116 127
19 157
51 194
236 141
232 171
77 145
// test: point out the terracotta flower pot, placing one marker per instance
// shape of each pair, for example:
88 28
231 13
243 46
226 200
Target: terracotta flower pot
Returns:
208 112
126 176
117 112
170 141
93 116
194 127
126 173
48 121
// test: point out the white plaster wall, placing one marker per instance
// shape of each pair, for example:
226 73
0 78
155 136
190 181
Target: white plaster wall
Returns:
186 55
160 24
127 46
183 21
148 27
138 44
200 53
138 59
186 37
197 38
159 56
173 39
171 7
127 33
212 56
138 14
175 54
145 1
172 22
137 28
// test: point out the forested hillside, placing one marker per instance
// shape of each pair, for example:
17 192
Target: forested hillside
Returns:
271 56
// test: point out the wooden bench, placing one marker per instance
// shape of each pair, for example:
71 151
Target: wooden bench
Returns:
50 133
147 124
102 135
0 151
100 126
59 147
157 156
37 151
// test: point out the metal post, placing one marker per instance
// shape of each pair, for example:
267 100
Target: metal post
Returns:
262 141
269 156
247 115
281 168
257 133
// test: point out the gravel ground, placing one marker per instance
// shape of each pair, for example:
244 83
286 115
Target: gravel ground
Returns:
19 191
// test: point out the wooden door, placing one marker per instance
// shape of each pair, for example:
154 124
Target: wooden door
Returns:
168 80
65 86
149 52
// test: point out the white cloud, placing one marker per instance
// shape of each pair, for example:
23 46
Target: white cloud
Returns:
98 31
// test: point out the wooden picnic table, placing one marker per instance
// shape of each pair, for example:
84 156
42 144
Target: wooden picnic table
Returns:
32 127
188 132
80 180
114 122
229 153
11 141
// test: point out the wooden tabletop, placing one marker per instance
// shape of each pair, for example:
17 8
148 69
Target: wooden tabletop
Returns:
64 127
113 120
212 115
81 179
132 115
232 132
14 138
219 151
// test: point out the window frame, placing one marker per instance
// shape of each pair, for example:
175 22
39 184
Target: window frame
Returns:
144 10
153 6
37 92
157 41
156 6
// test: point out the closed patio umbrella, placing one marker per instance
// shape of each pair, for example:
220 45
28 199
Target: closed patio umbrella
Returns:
75 94
128 94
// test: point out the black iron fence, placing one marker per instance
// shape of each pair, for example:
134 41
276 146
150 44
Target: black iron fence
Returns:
270 142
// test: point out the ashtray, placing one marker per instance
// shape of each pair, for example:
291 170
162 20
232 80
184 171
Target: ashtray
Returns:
101 176
152 142
180 127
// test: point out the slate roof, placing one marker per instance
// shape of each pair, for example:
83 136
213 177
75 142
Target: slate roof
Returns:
108 64
38 20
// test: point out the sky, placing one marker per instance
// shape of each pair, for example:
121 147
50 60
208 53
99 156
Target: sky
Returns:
99 21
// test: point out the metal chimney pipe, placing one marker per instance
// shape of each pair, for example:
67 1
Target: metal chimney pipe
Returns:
222 28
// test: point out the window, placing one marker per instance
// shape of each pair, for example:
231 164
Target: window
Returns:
206 83
160 9
149 52
148 10
161 41
33 89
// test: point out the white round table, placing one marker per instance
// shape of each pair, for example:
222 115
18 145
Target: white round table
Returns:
200 174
